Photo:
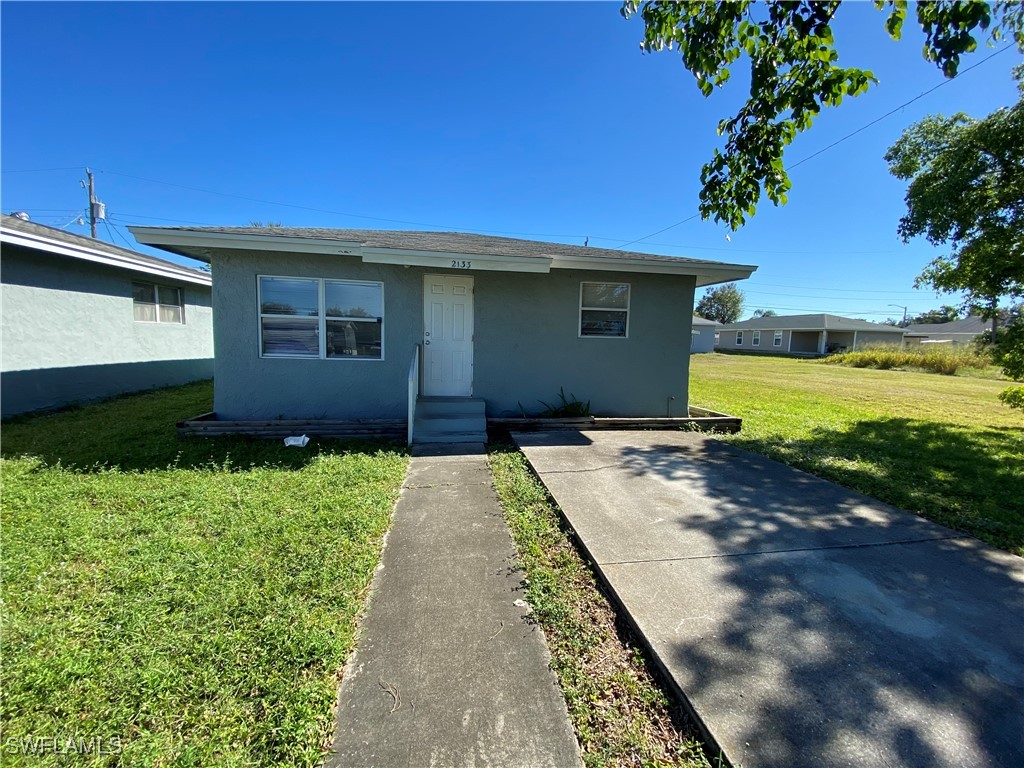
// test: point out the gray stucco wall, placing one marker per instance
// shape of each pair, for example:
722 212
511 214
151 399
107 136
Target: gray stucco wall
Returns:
727 340
69 333
525 347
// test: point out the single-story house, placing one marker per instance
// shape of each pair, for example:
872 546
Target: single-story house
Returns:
328 323
83 319
805 335
963 331
703 335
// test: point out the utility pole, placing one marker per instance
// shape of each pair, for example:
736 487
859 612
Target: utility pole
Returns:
900 306
97 210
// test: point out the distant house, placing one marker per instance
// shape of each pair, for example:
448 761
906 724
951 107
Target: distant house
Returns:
805 335
329 324
83 319
956 332
702 335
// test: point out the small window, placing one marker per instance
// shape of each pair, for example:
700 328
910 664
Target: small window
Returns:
756 341
314 318
739 338
777 339
604 309
158 303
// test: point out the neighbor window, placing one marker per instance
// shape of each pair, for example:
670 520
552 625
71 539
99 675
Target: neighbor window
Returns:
777 339
756 341
158 303
739 338
604 309
310 317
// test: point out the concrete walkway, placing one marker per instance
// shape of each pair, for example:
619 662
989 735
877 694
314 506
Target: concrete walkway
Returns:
447 670
807 625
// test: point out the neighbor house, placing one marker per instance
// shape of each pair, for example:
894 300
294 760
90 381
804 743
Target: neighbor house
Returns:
704 333
805 335
83 319
963 331
327 324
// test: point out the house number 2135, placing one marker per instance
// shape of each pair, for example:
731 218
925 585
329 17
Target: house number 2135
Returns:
456 264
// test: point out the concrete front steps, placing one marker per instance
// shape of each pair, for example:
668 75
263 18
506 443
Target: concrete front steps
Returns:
450 420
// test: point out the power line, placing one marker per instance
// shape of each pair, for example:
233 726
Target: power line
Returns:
123 238
835 298
900 107
41 170
849 135
332 212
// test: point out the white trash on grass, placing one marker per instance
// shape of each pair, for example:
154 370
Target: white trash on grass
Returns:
298 442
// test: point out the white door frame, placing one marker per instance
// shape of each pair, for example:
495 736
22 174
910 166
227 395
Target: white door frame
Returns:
448 336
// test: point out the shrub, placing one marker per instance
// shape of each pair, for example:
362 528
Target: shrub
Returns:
945 359
1013 397
568 407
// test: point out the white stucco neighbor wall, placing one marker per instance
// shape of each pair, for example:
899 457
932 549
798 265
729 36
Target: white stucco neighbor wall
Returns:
69 333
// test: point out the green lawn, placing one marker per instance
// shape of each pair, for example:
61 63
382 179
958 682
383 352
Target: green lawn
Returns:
190 600
941 446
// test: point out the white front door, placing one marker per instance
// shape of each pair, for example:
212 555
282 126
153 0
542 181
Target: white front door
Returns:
447 335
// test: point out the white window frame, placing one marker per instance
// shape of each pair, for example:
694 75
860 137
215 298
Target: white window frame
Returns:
755 339
739 338
579 318
321 317
777 339
156 295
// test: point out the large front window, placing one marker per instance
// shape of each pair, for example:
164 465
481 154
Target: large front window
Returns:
311 317
604 309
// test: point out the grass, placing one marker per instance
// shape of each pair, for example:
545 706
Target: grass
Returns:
935 358
942 447
189 601
621 716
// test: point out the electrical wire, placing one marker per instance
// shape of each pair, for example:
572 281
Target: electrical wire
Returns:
849 135
40 170
332 212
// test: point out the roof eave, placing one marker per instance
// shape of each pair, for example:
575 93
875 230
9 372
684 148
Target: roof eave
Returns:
200 245
60 248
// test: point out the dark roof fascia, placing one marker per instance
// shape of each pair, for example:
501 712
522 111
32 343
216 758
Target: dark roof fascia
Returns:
504 254
27 234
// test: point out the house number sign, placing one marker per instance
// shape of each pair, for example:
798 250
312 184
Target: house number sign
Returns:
460 264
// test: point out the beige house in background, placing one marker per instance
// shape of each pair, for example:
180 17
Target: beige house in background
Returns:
804 335
963 331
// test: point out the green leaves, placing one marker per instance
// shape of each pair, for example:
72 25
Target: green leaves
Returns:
967 191
794 73
723 304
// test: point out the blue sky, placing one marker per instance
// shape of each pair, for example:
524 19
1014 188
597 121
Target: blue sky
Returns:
536 120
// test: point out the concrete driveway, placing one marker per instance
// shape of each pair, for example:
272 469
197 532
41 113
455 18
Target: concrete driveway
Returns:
805 624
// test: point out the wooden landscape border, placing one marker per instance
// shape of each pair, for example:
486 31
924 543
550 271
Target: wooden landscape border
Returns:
208 425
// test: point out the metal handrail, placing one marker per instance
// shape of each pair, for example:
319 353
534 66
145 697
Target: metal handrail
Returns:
414 389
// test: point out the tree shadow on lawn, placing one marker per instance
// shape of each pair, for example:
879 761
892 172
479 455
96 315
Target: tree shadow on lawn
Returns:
136 433
818 627
968 479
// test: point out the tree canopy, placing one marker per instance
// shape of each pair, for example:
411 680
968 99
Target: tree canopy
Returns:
764 313
944 314
723 304
966 191
794 73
